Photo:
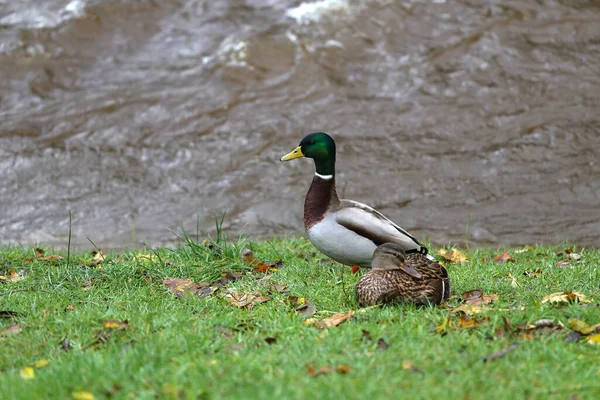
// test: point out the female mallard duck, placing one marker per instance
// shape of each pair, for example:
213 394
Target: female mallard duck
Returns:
390 282
345 230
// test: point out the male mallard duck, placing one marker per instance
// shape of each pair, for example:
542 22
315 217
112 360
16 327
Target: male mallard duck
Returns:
398 277
344 230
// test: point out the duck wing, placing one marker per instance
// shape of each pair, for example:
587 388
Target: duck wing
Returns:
373 225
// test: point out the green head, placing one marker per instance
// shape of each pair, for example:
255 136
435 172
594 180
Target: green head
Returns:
318 146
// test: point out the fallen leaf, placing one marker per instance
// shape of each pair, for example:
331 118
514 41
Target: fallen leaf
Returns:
573 256
476 297
245 299
27 373
65 344
271 340
98 257
573 337
501 353
13 276
226 279
409 366
469 309
41 363
260 266
12 329
455 256
443 328
355 269
343 369
533 273
594 339
307 308
248 255
40 255
583 328
501 259
513 281
70 307
239 299
334 320
564 264
116 325
466 322
472 294
82 396
86 285
185 286
382 345
279 288
565 297
320 371
295 301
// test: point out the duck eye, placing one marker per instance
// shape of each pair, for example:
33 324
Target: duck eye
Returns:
312 142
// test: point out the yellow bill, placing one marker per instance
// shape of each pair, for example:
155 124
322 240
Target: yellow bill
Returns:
296 153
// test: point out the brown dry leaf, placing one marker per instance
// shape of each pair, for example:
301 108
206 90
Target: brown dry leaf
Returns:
471 322
469 309
307 308
382 344
334 320
115 325
40 255
565 297
12 329
582 327
279 288
501 259
13 276
355 269
533 273
261 266
239 299
455 256
594 339
342 369
245 299
98 257
185 286
476 297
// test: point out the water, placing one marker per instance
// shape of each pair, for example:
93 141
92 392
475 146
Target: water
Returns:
463 121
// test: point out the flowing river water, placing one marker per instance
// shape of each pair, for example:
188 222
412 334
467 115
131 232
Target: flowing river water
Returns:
462 120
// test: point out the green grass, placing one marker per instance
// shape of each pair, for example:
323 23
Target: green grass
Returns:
194 347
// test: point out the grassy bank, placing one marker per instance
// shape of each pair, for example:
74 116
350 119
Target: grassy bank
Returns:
72 327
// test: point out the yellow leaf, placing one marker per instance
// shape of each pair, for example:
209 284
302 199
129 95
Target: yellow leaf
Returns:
594 339
455 256
469 309
407 364
41 363
583 328
82 395
513 281
334 320
98 257
565 297
27 373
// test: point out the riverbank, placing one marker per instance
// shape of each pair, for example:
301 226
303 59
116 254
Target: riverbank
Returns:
201 321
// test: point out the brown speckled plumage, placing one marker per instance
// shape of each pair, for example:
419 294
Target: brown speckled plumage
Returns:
396 277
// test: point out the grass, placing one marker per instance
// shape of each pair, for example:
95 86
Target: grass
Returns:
194 347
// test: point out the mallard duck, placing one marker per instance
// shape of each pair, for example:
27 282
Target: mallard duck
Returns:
398 277
345 230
